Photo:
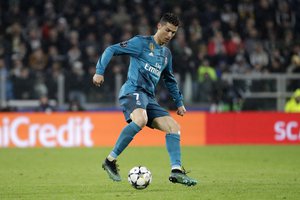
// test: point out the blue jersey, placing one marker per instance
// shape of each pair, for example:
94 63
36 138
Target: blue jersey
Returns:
148 62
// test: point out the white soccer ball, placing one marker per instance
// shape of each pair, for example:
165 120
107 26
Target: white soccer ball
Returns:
139 177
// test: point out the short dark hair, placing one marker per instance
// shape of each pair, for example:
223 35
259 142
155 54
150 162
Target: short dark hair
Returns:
171 18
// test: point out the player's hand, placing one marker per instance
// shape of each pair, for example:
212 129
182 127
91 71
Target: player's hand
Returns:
98 80
181 111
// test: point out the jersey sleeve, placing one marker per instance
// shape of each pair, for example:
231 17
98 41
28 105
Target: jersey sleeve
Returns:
132 47
171 84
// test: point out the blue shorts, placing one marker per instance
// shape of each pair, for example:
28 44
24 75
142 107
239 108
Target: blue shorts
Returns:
139 99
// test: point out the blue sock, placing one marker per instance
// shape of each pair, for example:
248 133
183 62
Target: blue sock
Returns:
125 138
173 147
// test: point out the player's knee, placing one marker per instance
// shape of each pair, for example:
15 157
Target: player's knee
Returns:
141 122
174 128
140 118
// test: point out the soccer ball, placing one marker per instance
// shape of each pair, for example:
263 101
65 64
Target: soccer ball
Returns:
139 177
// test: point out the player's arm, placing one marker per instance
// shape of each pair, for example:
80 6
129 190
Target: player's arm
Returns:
132 47
172 86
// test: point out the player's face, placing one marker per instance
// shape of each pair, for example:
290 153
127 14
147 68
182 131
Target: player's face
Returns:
166 32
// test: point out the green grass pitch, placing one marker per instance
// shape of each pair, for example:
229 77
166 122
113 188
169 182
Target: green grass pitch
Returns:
223 172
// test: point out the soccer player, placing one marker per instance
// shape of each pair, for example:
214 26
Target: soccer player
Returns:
150 59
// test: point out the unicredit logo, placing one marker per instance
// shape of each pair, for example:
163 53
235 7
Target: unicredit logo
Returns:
21 132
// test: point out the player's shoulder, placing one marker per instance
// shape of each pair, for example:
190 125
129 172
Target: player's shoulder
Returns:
143 40
167 50
144 37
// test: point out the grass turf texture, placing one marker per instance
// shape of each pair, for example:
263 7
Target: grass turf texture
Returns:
223 172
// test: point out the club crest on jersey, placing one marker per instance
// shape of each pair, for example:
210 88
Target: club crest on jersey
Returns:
124 44
151 47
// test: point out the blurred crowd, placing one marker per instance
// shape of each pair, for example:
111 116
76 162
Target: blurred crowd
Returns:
43 39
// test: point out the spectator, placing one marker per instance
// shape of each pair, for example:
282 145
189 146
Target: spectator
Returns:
77 81
216 48
15 37
259 59
231 97
75 106
264 11
52 78
276 66
40 88
34 39
295 60
293 105
38 60
4 76
195 33
205 71
227 14
207 78
232 45
294 68
44 105
285 16
74 52
245 9
240 65
23 84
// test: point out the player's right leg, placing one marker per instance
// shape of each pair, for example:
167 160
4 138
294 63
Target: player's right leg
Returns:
135 114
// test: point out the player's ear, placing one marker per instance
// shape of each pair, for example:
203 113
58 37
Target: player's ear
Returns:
159 25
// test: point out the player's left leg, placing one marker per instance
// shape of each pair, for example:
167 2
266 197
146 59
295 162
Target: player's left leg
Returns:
160 119
170 126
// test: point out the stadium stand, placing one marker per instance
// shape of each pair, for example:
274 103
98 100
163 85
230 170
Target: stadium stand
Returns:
41 41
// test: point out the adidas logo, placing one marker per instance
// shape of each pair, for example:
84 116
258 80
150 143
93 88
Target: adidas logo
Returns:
151 54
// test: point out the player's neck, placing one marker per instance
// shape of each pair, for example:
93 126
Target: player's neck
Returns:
156 39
